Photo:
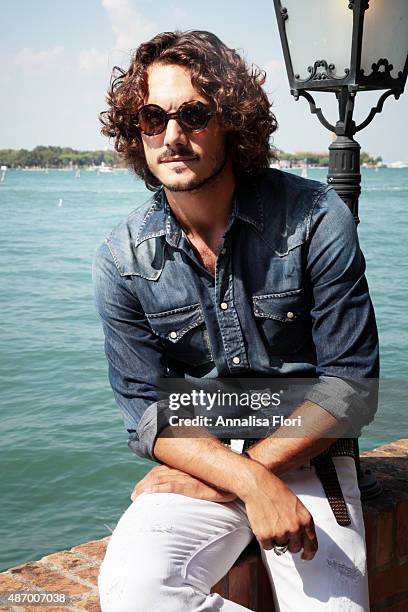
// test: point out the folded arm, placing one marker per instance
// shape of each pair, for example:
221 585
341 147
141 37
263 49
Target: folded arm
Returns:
275 514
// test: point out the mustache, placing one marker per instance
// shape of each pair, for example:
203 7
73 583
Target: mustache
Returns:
181 151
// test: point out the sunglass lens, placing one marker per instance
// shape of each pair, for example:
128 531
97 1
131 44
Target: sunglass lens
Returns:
194 116
152 120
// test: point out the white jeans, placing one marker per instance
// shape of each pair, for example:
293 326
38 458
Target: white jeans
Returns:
168 550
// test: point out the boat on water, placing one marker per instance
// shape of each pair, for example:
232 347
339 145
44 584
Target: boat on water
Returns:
398 164
3 170
104 169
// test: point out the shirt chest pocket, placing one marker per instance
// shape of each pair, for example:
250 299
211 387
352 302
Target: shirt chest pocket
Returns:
282 320
183 334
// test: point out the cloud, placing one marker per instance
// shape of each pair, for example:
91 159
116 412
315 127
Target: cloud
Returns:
129 28
275 75
90 60
36 62
128 25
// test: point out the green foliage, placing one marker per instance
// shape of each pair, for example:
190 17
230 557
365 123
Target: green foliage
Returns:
365 158
63 157
55 157
321 159
312 158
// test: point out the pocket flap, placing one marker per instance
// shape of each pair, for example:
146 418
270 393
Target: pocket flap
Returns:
285 307
174 324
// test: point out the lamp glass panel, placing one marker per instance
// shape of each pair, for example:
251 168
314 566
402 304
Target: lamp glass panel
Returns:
385 34
319 30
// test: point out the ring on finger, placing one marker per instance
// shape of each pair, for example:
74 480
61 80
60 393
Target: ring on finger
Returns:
280 550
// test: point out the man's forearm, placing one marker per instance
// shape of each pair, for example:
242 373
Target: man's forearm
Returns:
208 459
282 452
276 516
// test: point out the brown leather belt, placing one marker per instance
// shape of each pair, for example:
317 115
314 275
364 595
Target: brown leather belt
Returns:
326 472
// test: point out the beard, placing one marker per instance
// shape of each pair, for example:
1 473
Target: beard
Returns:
198 182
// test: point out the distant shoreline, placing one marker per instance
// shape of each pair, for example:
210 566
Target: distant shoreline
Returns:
65 158
105 169
123 170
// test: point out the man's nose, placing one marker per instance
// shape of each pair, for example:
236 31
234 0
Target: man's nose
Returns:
174 134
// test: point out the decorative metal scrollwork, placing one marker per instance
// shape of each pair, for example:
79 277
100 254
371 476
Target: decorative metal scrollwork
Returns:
379 74
377 109
296 93
346 124
320 71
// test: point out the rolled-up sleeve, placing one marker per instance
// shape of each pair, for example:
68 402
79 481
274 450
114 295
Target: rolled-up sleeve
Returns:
135 357
343 321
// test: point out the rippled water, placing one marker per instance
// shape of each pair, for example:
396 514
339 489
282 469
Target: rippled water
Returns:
66 470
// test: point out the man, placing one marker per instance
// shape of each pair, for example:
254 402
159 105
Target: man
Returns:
230 270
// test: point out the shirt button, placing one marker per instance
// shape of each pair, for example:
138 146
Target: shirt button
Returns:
173 334
236 360
223 305
290 315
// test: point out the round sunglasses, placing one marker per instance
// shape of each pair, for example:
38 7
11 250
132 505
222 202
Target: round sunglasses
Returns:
191 116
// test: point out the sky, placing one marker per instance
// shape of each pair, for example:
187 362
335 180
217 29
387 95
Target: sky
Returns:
56 57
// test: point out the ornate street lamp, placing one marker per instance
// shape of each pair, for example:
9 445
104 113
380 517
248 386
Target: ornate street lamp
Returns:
345 46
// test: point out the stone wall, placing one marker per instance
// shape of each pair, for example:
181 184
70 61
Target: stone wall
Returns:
74 572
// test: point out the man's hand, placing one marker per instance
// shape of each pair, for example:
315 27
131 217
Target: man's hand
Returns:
275 514
278 517
163 479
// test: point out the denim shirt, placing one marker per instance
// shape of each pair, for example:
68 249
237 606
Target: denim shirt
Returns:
289 298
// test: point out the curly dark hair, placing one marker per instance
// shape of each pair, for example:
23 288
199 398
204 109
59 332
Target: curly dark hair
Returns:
220 74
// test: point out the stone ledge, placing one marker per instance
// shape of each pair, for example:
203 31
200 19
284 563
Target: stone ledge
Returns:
75 571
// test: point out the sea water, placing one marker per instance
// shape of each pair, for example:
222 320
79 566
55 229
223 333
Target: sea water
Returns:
66 472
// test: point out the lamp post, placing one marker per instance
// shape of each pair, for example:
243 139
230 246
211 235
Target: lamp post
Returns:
343 47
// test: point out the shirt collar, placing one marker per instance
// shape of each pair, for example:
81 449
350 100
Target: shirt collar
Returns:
159 221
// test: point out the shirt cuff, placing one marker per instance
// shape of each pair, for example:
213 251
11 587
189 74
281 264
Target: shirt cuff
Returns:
353 401
154 420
